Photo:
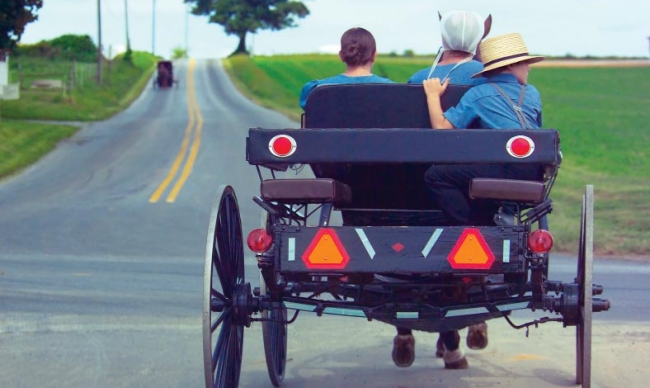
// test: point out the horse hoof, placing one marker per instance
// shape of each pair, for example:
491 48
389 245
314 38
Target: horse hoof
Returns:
455 359
477 337
403 350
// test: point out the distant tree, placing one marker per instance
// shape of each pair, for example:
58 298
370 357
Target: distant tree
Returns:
408 53
75 47
239 17
14 15
179 53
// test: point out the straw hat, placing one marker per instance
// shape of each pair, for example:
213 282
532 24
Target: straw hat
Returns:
504 50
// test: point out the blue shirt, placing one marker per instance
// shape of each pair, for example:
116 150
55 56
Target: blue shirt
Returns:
484 107
339 79
461 75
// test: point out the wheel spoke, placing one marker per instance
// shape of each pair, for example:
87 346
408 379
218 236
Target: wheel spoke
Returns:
222 317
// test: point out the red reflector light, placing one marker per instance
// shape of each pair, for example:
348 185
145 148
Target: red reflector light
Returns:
259 241
520 146
282 145
540 241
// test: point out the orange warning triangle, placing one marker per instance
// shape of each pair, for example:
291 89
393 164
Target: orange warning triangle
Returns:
471 251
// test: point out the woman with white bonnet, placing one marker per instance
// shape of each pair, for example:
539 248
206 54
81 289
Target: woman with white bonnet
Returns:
455 63
461 32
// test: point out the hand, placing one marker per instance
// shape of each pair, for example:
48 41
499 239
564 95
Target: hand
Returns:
432 87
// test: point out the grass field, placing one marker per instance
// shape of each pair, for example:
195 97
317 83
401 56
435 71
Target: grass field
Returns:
601 113
23 142
122 82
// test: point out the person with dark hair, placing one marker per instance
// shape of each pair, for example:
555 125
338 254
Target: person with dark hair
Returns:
358 52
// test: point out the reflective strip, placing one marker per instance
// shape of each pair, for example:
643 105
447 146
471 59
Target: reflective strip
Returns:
432 241
298 306
513 306
506 251
291 249
407 315
472 311
326 310
346 312
365 242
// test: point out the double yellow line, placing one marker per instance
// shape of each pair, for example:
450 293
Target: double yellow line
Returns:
189 147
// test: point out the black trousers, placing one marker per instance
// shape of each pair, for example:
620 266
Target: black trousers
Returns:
449 187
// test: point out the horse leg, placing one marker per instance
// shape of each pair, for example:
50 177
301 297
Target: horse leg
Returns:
477 337
453 355
403 347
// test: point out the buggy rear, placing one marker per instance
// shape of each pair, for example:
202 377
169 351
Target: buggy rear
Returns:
394 258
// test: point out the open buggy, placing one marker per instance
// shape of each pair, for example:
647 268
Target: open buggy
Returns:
164 75
395 258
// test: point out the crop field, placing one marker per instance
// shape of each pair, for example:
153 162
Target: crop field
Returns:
601 112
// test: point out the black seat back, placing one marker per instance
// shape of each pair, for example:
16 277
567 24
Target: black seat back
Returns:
376 186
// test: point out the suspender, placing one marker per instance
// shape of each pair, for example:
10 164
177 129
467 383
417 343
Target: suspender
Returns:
523 122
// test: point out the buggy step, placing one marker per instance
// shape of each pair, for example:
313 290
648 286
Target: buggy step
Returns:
507 190
316 190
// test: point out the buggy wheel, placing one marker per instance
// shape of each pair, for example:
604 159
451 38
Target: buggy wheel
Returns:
585 281
223 338
274 333
274 327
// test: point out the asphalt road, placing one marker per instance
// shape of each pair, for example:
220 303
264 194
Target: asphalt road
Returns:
101 260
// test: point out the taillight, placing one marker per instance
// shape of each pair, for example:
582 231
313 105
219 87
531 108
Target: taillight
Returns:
520 146
540 241
259 241
282 145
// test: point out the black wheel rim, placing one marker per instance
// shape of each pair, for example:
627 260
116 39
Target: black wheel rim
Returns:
224 268
275 343
584 279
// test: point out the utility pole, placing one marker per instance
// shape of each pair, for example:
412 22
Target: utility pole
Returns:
187 13
99 42
126 23
153 28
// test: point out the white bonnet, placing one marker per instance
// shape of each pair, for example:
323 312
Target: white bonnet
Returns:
461 30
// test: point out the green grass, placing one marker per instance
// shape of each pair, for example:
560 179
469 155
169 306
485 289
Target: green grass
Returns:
601 113
122 82
23 142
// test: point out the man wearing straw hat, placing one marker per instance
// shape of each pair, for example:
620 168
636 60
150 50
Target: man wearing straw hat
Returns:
504 101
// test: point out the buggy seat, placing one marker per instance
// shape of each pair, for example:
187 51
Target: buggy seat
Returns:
374 142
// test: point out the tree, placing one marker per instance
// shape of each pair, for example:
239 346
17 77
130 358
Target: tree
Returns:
179 53
239 17
14 15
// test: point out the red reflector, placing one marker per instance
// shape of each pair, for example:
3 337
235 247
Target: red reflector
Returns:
282 145
259 241
540 241
520 146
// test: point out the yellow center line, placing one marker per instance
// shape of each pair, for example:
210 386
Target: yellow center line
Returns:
195 117
194 151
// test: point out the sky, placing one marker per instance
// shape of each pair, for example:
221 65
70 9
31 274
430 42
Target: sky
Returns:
549 27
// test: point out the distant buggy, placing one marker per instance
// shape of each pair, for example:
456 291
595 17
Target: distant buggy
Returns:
164 75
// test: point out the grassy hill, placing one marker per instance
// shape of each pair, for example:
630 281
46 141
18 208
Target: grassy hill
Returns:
23 142
601 113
